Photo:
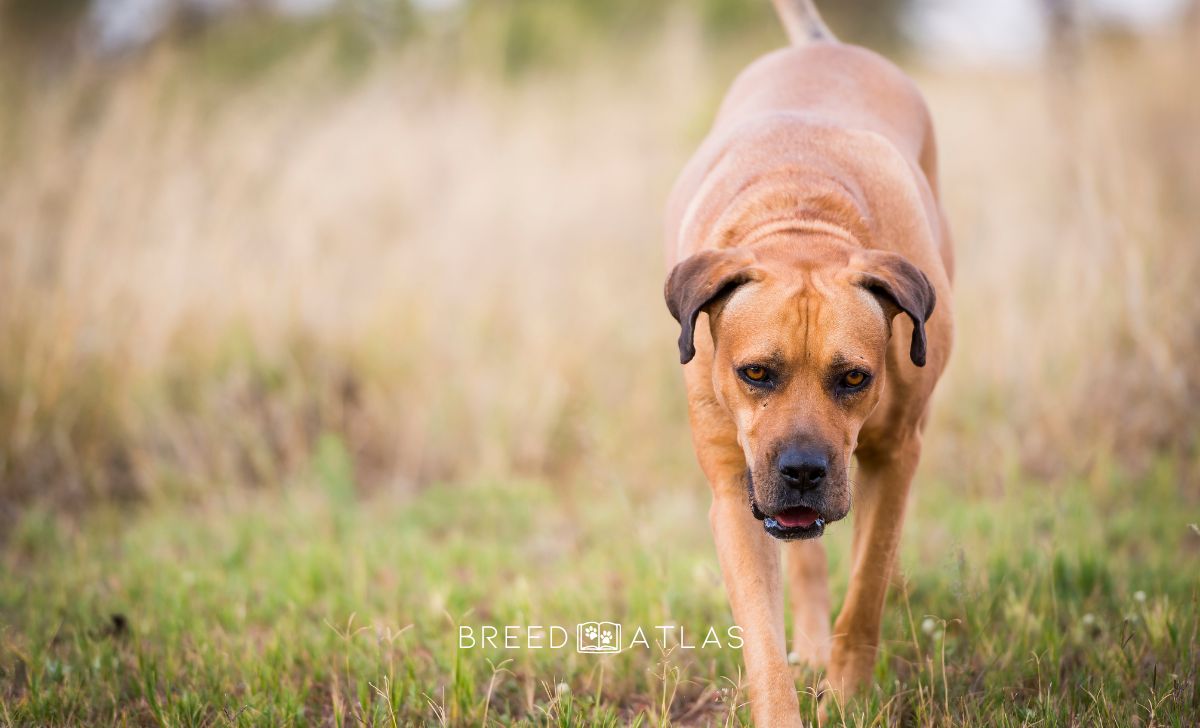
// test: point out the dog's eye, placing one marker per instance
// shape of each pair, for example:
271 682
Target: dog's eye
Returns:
755 374
854 379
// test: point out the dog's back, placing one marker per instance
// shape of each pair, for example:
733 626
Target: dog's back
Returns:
807 93
831 84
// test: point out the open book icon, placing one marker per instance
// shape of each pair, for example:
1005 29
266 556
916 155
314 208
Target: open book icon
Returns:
598 637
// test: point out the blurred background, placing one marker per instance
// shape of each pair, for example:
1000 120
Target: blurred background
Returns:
426 233
326 325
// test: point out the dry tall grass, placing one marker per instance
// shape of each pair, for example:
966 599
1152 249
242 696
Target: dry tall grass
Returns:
458 276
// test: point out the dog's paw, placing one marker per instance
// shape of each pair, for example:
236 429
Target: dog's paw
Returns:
809 656
851 672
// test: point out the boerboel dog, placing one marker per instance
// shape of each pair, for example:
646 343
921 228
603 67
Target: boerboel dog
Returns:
807 228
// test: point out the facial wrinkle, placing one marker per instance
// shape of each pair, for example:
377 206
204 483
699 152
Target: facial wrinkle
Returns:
806 323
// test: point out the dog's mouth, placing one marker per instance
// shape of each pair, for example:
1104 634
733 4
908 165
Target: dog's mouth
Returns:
795 523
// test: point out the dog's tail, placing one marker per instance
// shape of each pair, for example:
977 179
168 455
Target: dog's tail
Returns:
802 22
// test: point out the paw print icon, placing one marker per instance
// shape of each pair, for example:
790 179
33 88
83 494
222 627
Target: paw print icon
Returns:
598 637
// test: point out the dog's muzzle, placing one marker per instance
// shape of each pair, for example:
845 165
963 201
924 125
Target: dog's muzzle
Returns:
787 524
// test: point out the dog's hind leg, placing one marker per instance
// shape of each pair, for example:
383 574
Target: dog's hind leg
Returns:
808 584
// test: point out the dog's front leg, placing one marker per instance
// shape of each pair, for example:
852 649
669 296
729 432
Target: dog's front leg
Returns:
750 562
750 565
882 490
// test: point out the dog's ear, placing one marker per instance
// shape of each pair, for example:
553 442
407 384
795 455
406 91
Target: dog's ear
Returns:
701 280
900 287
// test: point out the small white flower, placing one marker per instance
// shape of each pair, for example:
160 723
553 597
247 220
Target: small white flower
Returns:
928 625
562 689
1089 619
793 658
1139 596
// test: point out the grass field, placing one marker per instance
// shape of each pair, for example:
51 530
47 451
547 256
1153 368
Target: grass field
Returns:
1031 606
312 353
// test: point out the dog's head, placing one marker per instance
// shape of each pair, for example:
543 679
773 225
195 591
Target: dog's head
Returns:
800 333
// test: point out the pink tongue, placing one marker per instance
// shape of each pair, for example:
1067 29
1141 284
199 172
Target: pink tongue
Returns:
800 517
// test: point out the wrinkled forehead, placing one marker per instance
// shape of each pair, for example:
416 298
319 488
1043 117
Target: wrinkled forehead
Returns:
813 317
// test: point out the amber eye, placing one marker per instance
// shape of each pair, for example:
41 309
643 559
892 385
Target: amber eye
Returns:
756 374
854 378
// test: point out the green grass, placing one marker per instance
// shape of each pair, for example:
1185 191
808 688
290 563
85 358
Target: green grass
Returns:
308 607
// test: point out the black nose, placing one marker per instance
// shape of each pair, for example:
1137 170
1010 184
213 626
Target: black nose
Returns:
802 469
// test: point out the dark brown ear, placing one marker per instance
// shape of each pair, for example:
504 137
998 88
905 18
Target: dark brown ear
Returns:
700 280
900 286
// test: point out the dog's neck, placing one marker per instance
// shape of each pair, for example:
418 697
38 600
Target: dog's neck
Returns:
789 202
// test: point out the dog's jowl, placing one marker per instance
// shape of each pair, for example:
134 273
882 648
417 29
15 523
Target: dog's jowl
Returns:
808 231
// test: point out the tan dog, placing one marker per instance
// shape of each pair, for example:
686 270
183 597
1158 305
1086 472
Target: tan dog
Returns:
805 224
